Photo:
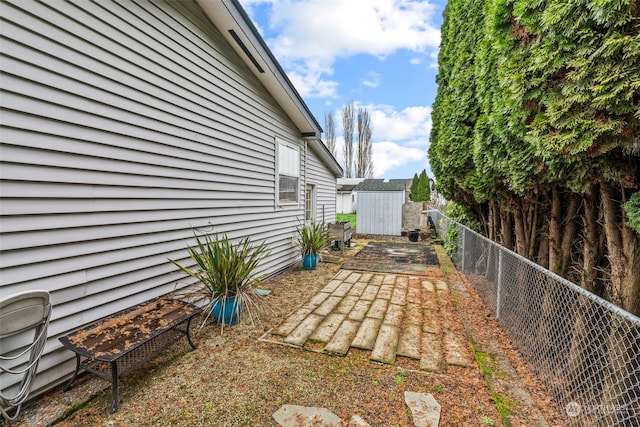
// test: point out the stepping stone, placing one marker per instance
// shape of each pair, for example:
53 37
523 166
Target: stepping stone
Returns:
399 295
291 322
357 421
394 315
413 295
360 310
331 286
429 321
328 305
377 279
357 288
385 292
316 300
327 328
303 330
425 409
342 290
346 305
388 279
413 314
410 341
378 309
342 274
456 351
367 334
296 416
370 292
353 277
341 340
428 286
366 277
442 285
384 350
430 353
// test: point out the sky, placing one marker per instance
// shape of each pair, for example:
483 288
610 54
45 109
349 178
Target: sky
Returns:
378 54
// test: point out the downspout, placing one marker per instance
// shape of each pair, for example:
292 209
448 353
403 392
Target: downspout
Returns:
304 188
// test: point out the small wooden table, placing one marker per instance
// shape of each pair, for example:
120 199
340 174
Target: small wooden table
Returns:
117 344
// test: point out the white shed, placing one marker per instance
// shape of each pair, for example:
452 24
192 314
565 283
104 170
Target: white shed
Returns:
125 126
380 207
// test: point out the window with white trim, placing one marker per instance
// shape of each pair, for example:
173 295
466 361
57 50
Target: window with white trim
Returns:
288 173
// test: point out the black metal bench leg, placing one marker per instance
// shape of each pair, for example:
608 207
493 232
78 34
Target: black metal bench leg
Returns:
189 335
114 387
75 374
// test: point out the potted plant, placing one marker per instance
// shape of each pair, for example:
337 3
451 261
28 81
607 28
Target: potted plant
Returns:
225 276
311 238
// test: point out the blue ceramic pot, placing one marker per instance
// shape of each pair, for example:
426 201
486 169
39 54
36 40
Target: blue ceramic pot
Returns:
310 261
229 314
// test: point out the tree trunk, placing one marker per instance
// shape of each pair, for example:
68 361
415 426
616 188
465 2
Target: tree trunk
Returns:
555 230
534 230
506 229
591 250
521 234
543 252
569 232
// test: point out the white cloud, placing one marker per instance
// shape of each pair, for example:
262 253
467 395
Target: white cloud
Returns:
389 155
372 79
411 123
332 28
312 34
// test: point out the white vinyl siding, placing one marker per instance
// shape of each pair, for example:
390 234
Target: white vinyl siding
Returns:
324 187
125 127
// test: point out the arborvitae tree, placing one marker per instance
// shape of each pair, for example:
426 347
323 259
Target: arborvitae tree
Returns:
423 193
413 190
535 126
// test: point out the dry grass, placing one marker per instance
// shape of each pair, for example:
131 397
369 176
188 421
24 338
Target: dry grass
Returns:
233 379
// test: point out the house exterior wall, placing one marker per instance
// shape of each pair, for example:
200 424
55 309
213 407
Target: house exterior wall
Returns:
125 127
380 212
325 187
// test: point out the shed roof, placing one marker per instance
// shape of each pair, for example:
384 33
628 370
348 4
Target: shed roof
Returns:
380 185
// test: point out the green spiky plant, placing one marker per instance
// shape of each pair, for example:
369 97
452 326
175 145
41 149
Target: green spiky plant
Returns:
224 270
311 238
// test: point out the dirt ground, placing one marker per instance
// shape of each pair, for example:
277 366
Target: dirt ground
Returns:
233 379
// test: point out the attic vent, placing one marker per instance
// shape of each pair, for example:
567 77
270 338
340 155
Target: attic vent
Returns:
245 50
386 180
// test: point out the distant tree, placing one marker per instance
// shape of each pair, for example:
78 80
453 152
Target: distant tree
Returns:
364 163
348 115
330 128
413 190
423 193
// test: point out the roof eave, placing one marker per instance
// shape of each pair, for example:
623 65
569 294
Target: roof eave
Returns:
236 26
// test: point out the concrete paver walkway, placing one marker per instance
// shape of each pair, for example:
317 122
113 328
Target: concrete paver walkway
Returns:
388 314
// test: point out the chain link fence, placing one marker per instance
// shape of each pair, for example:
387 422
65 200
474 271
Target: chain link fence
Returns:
585 349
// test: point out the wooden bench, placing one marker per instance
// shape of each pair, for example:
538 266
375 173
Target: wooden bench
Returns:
117 344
